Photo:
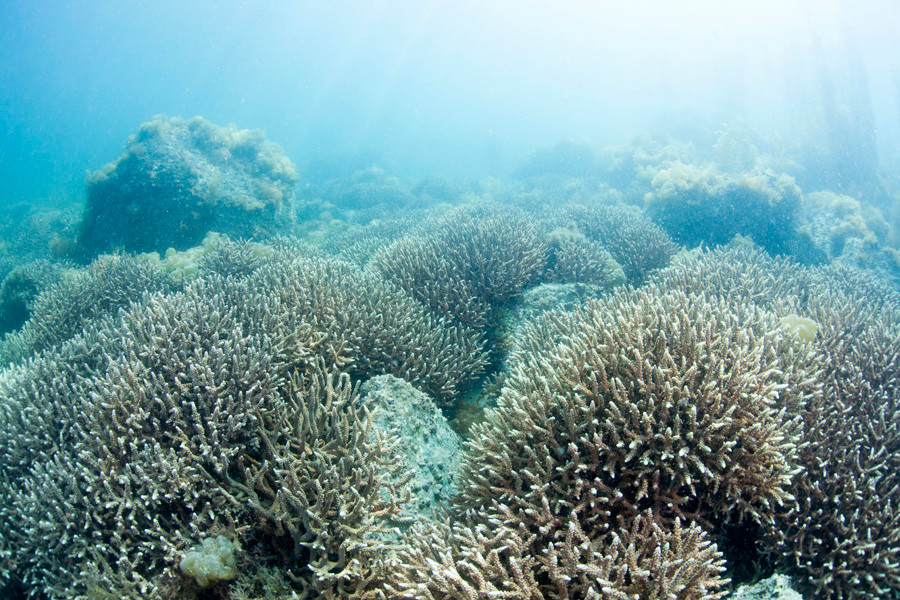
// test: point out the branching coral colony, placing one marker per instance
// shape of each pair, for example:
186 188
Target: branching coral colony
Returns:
215 410
218 422
466 262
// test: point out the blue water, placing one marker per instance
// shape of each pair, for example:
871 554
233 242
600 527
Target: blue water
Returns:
458 88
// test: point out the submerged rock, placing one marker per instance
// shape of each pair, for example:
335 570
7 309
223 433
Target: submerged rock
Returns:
776 587
179 179
699 205
428 448
553 296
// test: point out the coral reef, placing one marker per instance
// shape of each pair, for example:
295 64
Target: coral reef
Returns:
838 538
434 190
851 232
156 419
20 289
80 297
479 562
646 400
149 432
184 266
467 262
842 537
636 425
233 259
324 490
269 419
358 244
636 244
178 422
367 188
737 273
367 326
576 259
179 179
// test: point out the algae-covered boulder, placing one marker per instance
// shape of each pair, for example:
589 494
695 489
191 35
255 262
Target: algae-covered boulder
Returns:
699 205
179 179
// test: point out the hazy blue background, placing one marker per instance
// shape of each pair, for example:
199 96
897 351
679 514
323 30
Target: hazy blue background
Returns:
448 87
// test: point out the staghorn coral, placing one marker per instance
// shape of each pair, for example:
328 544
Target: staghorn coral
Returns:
185 265
575 259
21 287
467 262
850 284
636 243
80 297
650 399
367 326
37 416
172 420
738 272
419 265
651 407
842 537
498 250
839 538
358 245
127 445
234 259
366 245
215 410
473 562
152 419
327 487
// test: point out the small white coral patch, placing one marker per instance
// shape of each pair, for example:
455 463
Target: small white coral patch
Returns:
210 562
801 329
